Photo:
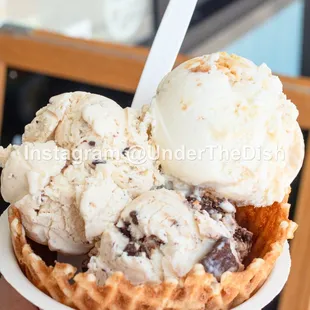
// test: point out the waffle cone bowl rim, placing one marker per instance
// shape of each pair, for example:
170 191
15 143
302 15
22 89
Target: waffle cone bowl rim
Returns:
198 289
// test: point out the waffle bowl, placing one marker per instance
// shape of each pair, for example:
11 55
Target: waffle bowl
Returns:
198 290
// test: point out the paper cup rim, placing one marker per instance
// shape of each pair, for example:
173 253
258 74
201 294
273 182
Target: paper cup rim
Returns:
15 277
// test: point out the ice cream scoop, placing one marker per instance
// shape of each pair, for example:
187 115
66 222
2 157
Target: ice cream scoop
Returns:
160 236
66 195
237 130
170 222
73 209
81 122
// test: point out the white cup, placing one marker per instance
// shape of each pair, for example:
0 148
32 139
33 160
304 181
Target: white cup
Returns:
13 275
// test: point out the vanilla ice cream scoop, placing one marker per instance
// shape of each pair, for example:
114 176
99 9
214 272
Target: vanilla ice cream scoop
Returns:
160 236
73 209
235 129
82 122
91 115
67 196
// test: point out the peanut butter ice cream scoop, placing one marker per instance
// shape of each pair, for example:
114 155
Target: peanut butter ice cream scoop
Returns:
239 126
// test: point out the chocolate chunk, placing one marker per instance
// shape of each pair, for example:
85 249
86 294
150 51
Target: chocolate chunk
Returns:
125 151
191 199
131 249
208 204
160 186
146 250
149 244
220 259
125 230
91 143
211 205
136 247
98 162
243 235
243 239
134 217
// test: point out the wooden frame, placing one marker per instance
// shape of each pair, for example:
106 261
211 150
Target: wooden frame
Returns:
3 70
297 291
103 64
109 65
296 294
119 67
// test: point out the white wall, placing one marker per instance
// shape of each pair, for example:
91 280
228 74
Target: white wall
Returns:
277 42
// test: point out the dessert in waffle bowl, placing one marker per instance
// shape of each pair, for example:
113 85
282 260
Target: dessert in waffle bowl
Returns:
164 232
197 290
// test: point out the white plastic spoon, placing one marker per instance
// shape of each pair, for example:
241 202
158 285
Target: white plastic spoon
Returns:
165 49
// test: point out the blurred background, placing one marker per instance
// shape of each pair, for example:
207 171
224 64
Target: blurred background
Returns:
265 31
50 47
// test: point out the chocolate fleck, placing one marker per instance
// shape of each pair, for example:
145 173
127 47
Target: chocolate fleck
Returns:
243 239
174 223
125 151
125 230
131 249
149 244
211 205
220 259
92 143
242 234
160 186
134 217
191 199
99 162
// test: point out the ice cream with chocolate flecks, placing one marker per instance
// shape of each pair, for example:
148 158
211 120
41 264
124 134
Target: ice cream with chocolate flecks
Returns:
66 194
162 234
156 218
